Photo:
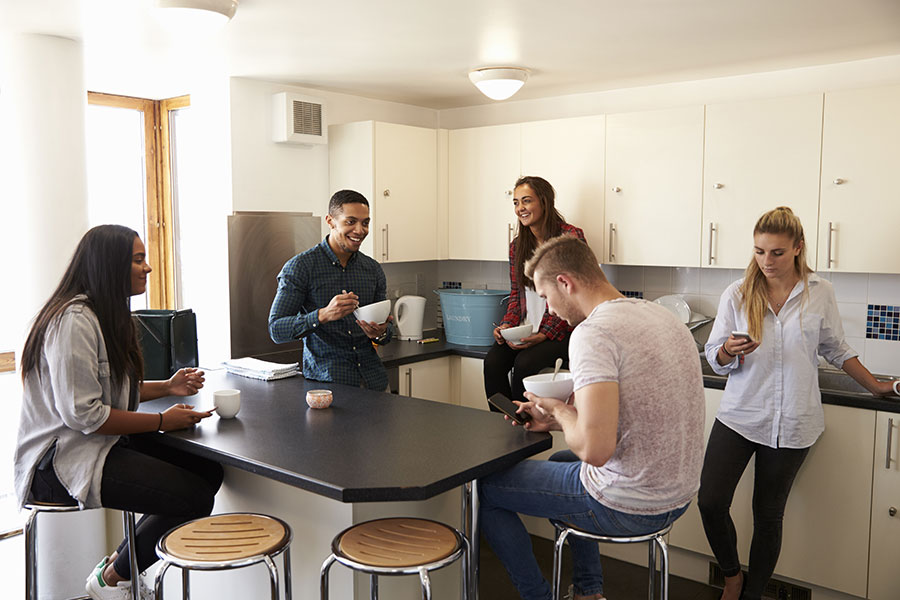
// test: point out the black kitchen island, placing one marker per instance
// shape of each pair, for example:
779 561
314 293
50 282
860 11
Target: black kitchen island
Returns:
368 447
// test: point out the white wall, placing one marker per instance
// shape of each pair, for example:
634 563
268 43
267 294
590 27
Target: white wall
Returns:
855 74
283 177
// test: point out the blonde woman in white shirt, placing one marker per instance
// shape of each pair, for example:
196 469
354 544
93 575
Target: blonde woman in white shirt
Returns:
772 406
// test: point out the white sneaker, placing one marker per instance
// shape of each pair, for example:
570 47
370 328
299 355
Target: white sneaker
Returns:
98 590
147 592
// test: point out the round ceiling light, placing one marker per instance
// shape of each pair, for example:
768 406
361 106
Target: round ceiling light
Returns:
197 14
498 83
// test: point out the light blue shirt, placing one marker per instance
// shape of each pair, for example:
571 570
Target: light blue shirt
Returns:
772 397
66 399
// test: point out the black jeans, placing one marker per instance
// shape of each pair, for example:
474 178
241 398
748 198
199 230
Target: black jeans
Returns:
501 358
727 455
167 486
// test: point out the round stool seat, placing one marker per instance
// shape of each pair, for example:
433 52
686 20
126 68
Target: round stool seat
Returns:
397 542
226 537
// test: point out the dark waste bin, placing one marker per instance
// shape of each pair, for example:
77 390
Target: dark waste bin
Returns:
168 341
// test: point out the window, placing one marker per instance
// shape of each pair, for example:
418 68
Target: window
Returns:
131 182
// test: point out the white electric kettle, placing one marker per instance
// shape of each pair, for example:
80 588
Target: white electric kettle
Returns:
409 312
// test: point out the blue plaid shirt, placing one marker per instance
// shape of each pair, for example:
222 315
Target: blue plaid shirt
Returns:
337 351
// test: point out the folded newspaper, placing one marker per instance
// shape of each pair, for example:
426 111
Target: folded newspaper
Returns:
260 369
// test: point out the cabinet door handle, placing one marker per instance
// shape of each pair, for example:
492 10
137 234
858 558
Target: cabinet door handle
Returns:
409 382
385 236
616 189
887 452
828 245
712 229
718 186
612 246
386 193
839 181
509 233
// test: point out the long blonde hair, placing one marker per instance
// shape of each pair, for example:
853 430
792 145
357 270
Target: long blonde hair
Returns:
755 289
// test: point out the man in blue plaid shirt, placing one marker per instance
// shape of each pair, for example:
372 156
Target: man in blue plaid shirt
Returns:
319 289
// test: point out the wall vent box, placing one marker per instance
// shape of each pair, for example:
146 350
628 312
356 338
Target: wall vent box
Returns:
298 120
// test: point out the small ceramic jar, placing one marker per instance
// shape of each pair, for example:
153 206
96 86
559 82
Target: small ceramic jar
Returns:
319 398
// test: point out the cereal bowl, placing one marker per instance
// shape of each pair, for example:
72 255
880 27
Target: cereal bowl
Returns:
319 398
540 385
377 312
515 334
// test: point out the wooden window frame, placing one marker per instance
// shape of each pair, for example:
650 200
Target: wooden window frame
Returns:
160 242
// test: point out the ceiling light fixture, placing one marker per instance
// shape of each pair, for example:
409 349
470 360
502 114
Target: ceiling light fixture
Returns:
498 83
197 15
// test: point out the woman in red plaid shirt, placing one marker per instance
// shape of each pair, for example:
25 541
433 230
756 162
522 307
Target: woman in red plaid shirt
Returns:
533 202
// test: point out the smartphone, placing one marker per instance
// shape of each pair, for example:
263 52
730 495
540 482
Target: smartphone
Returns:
508 408
741 334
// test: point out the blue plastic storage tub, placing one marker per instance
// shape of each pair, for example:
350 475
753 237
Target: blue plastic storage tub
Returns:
470 315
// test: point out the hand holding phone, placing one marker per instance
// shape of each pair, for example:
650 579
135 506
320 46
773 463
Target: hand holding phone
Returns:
741 334
508 408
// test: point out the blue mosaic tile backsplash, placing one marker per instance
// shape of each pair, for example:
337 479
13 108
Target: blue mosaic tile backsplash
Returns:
883 322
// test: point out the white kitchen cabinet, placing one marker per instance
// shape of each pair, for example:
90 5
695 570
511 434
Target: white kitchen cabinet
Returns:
758 155
884 576
395 167
859 208
826 522
484 166
654 166
687 532
468 375
577 174
429 380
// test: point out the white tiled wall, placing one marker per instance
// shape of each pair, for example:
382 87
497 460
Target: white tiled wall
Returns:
702 288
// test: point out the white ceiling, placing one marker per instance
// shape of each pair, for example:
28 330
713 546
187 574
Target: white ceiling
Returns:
419 51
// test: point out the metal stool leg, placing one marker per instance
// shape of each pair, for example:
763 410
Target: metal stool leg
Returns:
465 568
663 568
31 556
323 577
557 562
426 583
652 569
273 576
288 595
185 584
373 586
128 527
158 582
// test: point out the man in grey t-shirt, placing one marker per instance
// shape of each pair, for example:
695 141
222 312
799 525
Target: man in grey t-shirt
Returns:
635 422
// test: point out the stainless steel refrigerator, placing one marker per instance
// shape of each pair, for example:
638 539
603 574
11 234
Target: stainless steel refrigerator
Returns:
259 243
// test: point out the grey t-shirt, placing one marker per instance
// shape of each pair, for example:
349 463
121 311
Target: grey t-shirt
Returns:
659 445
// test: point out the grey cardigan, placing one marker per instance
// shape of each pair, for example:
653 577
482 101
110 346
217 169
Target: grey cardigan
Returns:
66 399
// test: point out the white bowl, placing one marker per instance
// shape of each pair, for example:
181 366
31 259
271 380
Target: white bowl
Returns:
377 312
319 398
540 385
514 334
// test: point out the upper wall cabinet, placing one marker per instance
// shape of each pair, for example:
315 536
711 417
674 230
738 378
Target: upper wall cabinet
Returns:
758 155
569 153
395 167
484 166
654 165
860 197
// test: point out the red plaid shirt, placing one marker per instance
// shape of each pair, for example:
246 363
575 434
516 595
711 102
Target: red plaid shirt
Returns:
553 327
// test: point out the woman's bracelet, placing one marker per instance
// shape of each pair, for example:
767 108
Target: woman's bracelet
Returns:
725 350
159 428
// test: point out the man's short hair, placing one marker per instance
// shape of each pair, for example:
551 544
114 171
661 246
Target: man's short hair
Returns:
565 254
342 197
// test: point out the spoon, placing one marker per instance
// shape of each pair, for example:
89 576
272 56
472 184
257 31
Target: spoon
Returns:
556 368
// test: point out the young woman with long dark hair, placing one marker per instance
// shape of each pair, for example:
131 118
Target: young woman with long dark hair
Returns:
538 221
772 406
83 380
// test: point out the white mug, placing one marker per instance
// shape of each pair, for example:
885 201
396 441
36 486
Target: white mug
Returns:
227 403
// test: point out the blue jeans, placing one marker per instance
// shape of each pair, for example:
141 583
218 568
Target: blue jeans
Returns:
552 490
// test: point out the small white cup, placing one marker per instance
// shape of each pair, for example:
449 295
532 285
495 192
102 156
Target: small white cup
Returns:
227 403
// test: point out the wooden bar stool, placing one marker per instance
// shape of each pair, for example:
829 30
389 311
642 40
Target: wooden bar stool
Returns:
655 538
397 546
31 579
228 541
